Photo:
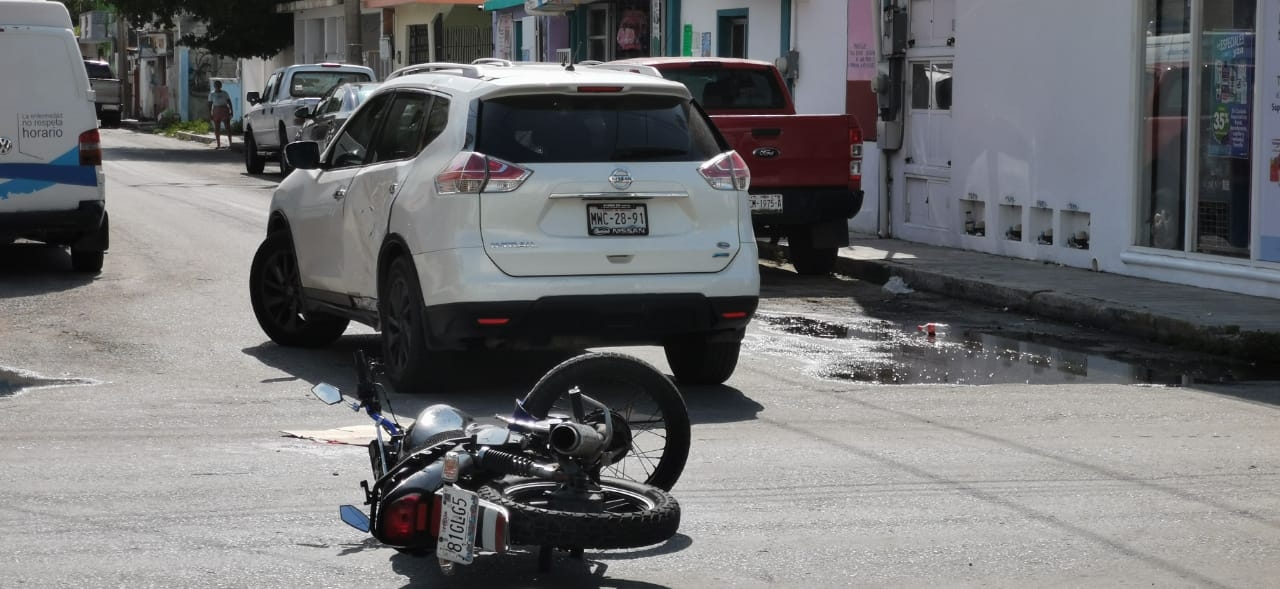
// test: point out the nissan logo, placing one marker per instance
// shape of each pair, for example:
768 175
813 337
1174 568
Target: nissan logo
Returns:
620 179
766 152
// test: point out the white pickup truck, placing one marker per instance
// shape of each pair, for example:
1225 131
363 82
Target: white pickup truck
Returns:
106 88
270 121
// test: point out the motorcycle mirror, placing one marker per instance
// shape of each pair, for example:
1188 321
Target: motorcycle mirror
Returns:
328 393
352 516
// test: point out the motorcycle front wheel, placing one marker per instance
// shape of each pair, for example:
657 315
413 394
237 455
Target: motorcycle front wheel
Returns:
631 514
655 435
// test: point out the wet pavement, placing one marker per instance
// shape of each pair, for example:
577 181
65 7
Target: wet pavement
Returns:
14 381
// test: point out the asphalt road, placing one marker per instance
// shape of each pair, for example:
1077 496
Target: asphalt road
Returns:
158 459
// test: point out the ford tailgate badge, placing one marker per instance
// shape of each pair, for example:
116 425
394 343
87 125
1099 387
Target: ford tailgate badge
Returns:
766 152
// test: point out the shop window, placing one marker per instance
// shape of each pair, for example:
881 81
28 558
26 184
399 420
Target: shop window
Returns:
1216 208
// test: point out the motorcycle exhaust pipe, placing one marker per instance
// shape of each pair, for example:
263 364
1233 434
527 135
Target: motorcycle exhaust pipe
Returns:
576 440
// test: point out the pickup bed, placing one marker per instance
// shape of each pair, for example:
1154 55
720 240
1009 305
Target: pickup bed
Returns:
806 170
107 101
271 120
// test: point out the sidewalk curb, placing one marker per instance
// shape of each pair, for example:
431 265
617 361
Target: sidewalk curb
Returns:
1110 315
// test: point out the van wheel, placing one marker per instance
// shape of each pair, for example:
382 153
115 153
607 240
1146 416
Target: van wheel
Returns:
695 360
89 259
253 161
285 168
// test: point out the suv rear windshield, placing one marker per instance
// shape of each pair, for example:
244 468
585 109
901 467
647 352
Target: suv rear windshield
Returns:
98 71
726 88
594 128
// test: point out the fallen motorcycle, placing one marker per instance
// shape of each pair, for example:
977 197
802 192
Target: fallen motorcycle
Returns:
453 487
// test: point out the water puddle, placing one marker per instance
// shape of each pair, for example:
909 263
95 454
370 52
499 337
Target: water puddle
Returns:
883 352
14 381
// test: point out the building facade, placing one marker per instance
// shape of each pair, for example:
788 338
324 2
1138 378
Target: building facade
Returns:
1147 147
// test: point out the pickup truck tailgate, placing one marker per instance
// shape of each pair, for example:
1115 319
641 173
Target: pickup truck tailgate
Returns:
790 150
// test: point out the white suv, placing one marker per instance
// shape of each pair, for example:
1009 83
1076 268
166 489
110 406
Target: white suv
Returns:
523 206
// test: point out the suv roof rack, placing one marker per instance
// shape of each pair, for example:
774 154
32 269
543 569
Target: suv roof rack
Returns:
468 70
492 61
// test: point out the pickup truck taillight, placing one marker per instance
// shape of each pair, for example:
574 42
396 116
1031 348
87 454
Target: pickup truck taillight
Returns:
855 155
90 148
472 173
727 171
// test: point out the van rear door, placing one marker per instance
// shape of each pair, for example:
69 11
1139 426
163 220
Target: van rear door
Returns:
45 106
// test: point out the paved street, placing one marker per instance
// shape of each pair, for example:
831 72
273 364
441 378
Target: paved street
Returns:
157 458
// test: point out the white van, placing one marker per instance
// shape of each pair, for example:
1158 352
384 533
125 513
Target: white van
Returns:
52 188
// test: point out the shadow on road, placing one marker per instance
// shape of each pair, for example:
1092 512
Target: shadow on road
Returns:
481 383
519 568
34 268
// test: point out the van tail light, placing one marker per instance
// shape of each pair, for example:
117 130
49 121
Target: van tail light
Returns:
727 171
405 518
90 148
472 173
855 155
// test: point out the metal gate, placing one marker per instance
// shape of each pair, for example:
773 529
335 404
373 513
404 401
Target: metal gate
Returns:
462 44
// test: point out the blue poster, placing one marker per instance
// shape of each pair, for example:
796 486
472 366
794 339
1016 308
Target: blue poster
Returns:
1232 73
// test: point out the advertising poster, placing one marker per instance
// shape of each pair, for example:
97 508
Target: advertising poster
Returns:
503 37
1232 65
1269 128
862 42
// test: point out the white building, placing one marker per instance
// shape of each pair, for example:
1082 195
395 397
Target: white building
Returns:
1067 137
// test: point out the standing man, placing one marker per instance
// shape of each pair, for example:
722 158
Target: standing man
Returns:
220 113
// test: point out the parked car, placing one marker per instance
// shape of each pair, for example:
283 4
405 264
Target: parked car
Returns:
323 121
515 206
270 121
52 186
806 170
108 102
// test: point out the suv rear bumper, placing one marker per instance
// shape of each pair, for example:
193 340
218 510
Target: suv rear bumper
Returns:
63 226
462 286
563 321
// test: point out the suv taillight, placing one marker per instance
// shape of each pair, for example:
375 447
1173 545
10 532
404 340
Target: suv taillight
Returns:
727 171
90 148
472 173
855 155
405 518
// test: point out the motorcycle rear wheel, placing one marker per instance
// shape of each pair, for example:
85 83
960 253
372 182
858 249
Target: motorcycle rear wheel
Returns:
657 430
633 515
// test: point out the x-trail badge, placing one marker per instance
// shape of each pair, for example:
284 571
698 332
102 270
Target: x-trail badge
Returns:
620 179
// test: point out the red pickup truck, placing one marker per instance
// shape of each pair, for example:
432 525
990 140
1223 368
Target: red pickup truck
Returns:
806 170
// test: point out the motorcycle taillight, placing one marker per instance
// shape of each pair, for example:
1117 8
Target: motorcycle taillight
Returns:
404 518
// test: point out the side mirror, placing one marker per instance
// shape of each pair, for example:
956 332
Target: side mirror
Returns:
302 113
303 155
327 392
352 516
253 97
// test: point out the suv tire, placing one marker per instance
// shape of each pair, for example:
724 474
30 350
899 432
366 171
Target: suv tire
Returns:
276 293
253 161
409 364
696 360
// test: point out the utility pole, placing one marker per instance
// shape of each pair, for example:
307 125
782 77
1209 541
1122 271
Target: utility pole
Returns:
355 49
122 64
